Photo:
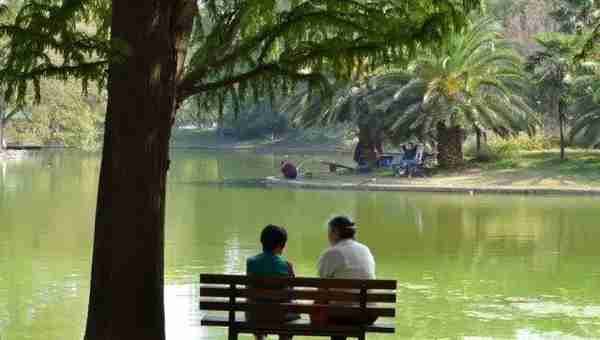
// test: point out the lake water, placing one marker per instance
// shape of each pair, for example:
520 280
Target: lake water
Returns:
469 267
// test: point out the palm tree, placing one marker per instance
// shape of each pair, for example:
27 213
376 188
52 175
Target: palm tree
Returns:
586 108
476 82
473 81
550 69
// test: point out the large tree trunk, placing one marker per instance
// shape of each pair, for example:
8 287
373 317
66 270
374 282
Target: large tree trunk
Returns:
561 123
220 124
370 134
126 297
370 143
450 146
558 113
3 122
2 143
478 140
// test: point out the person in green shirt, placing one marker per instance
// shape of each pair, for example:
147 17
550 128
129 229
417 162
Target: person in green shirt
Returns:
270 263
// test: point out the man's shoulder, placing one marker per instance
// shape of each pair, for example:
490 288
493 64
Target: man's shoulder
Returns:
262 258
360 245
255 259
331 252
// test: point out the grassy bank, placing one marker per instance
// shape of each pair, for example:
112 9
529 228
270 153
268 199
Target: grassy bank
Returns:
581 168
529 169
542 169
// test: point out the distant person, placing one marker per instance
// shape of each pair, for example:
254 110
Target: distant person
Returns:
289 170
361 151
410 151
358 153
409 157
346 259
270 263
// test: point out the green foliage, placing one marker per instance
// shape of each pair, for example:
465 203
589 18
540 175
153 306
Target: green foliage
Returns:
581 17
504 148
239 50
62 118
55 39
474 79
238 47
338 134
260 120
498 148
574 16
550 67
245 48
551 70
586 108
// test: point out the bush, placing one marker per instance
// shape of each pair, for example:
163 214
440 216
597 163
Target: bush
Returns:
536 143
339 133
498 148
257 122
63 118
504 148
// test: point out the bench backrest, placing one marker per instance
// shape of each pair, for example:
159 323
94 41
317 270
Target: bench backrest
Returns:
233 293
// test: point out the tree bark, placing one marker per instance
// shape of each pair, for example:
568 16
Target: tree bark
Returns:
370 134
561 123
369 143
2 125
450 146
3 116
478 139
126 293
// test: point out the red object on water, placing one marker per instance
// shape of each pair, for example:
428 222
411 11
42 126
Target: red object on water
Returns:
289 171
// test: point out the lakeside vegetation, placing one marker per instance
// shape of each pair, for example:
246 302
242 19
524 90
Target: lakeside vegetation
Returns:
519 162
536 169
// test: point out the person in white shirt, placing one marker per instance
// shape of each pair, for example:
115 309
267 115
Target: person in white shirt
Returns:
346 259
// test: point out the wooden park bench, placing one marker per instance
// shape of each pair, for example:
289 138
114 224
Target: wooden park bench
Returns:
303 296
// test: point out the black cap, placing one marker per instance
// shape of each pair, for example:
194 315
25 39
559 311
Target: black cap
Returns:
343 227
342 222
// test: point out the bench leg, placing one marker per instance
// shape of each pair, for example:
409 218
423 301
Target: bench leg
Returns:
362 336
233 335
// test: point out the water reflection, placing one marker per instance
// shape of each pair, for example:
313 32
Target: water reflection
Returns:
467 266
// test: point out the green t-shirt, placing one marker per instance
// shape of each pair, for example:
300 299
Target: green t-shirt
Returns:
267 264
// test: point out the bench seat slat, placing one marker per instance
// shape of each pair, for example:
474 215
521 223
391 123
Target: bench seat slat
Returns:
292 308
296 326
297 294
297 282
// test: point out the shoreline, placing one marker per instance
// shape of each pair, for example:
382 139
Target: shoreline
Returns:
9 155
273 182
257 147
580 178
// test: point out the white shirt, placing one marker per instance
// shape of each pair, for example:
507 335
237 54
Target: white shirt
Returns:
348 259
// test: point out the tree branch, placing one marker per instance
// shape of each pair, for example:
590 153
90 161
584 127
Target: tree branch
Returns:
259 71
267 37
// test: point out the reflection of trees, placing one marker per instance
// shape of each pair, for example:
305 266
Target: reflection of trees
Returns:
480 246
199 166
45 206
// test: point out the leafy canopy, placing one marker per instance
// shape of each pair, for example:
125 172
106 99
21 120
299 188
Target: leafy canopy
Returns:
236 47
475 79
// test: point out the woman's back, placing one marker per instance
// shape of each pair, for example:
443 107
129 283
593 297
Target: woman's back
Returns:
348 259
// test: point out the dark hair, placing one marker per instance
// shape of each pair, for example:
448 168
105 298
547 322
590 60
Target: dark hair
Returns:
343 227
273 237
